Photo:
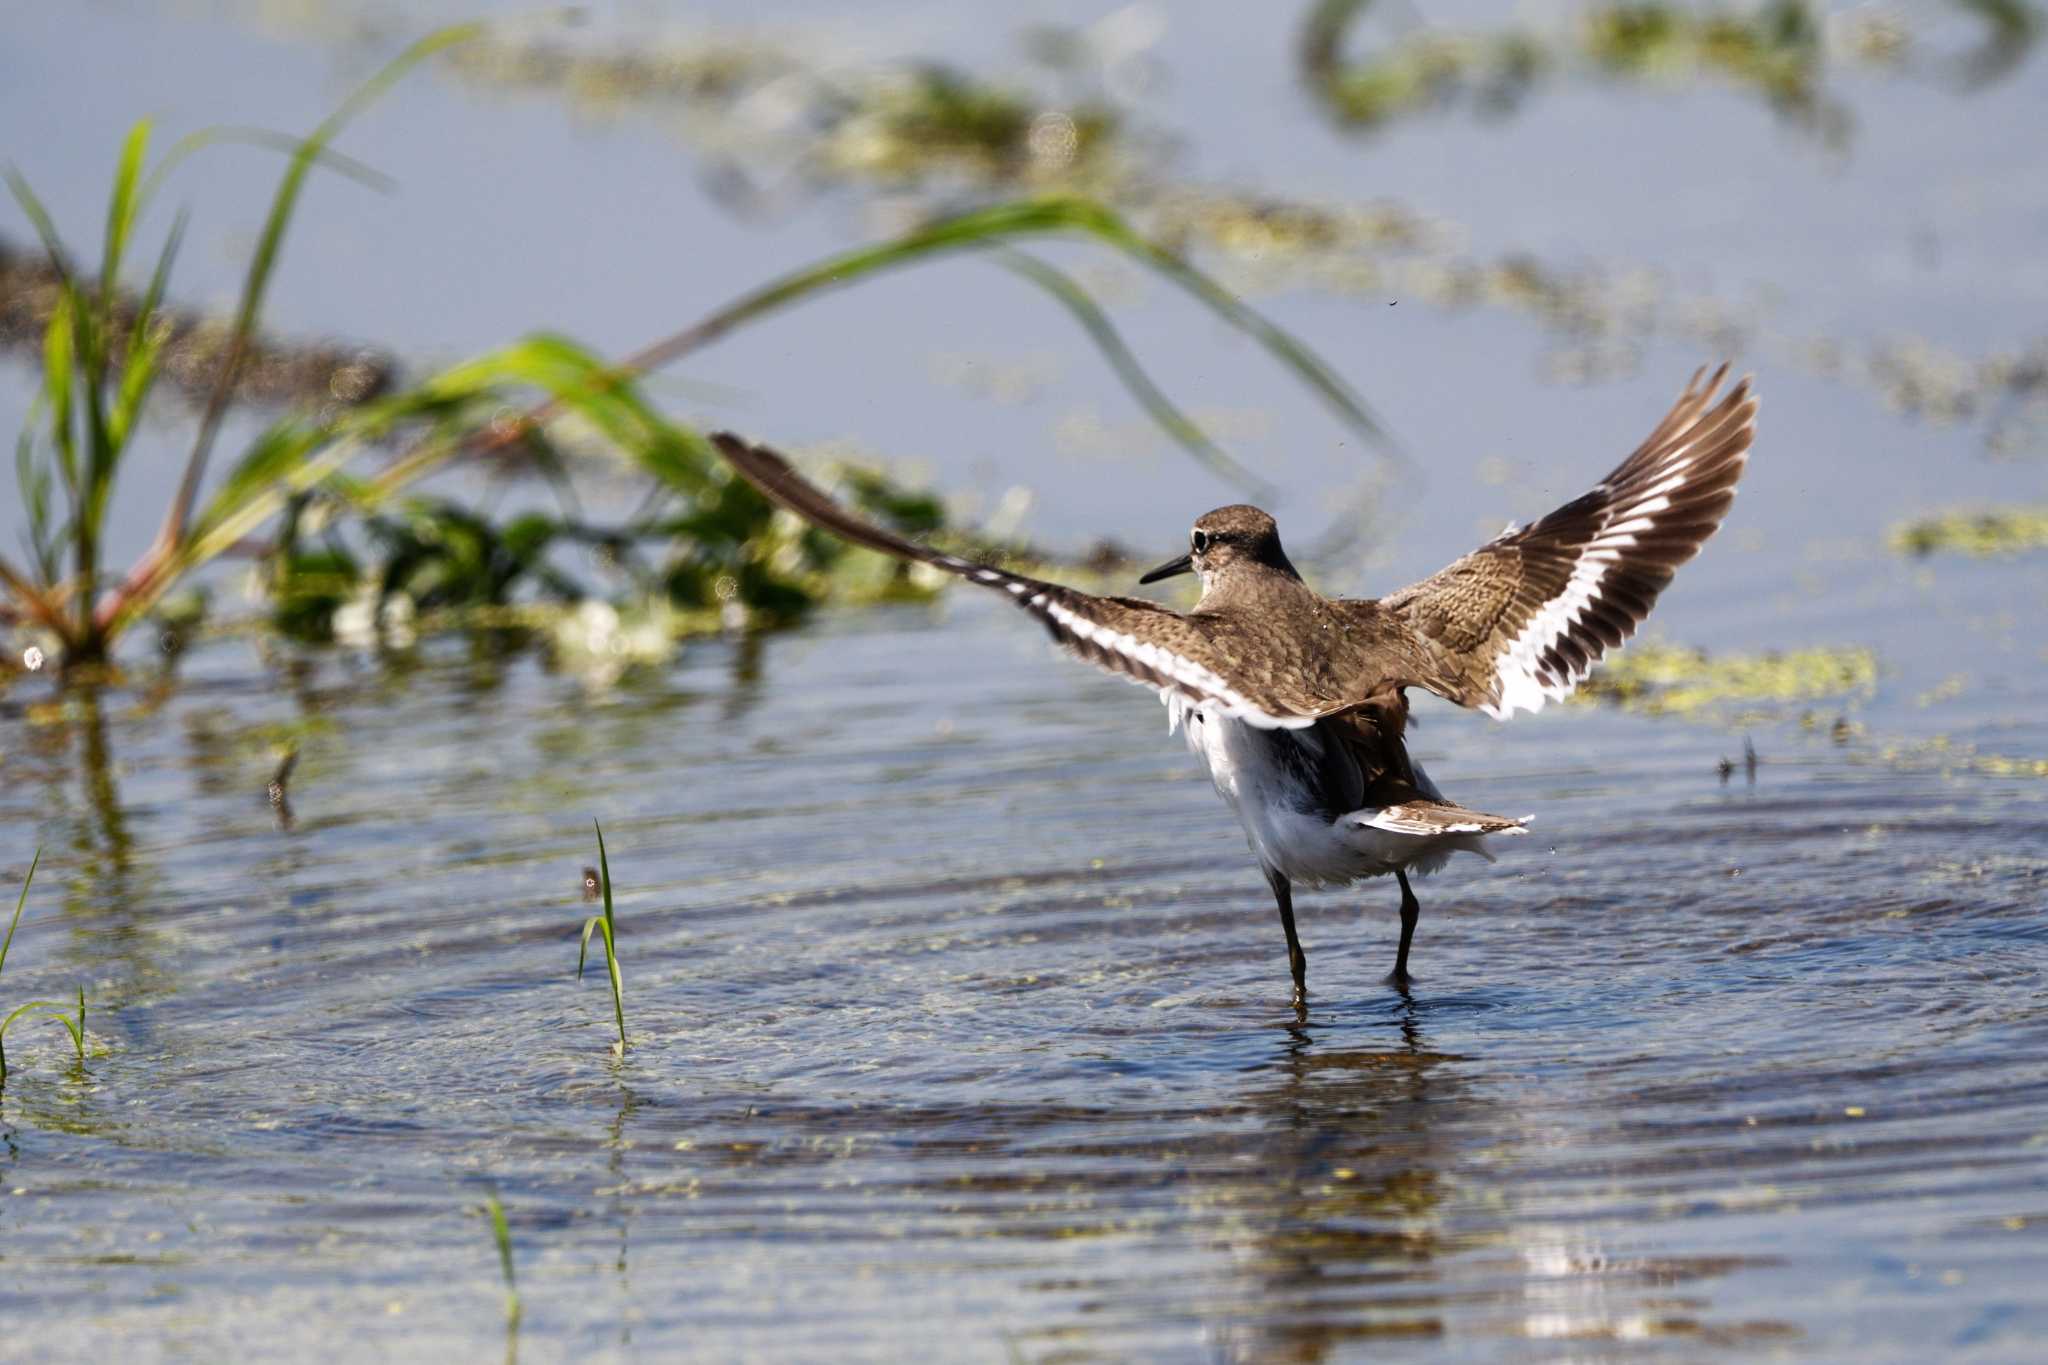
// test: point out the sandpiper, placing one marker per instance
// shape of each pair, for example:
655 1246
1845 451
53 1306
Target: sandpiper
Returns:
1297 703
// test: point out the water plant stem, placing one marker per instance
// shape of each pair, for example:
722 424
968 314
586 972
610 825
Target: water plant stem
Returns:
605 925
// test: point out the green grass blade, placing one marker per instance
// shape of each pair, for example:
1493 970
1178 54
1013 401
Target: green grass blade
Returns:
82 376
1295 354
604 871
58 351
121 211
1001 222
268 243
57 1012
32 479
1163 411
145 344
501 1234
327 158
583 949
56 1007
611 962
19 902
611 945
39 217
63 344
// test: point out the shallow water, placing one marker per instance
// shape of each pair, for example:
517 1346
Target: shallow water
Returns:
958 1009
959 1017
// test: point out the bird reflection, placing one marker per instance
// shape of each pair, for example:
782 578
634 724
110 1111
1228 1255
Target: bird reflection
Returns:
1352 1153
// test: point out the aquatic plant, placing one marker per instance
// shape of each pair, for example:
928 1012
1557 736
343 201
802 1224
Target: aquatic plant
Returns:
1779 50
103 352
605 925
1668 680
1983 534
53 1010
719 534
501 1234
193 345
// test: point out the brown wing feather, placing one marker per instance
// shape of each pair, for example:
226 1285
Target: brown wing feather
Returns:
1139 640
1522 620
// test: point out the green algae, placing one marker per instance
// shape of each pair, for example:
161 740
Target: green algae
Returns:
1669 680
1981 534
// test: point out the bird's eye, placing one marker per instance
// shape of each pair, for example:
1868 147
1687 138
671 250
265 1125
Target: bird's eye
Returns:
1200 540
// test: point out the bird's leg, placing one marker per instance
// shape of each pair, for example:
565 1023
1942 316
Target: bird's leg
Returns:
1411 910
1297 960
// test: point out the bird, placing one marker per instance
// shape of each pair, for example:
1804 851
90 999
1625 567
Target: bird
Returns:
1297 703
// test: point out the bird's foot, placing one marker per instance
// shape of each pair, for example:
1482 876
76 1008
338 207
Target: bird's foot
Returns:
1400 980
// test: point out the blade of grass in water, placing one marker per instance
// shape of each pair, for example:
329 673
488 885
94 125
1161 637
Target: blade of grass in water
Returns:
55 1010
501 1233
265 259
19 902
604 924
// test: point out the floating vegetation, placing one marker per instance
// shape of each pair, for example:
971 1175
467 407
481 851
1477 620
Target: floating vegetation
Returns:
750 105
934 120
1668 680
1782 51
895 125
1949 755
1983 534
53 1010
605 925
190 347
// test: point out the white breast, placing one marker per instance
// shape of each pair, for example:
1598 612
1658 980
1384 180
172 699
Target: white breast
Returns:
1284 820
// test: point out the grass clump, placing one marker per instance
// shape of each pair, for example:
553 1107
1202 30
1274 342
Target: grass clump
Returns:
103 352
1669 680
1982 535
53 1010
605 925
346 553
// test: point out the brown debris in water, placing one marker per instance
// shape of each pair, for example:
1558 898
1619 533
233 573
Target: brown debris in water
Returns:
274 373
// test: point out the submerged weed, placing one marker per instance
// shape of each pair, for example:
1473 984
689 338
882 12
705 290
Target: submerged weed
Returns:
604 924
53 1010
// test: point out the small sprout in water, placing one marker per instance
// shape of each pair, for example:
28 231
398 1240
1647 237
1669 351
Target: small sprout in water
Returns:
501 1233
605 925
54 1010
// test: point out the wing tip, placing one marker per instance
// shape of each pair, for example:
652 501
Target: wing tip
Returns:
755 462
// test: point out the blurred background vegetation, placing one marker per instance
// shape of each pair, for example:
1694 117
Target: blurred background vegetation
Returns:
320 500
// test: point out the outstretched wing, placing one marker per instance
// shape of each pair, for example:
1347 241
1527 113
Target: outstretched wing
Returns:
1140 640
1521 620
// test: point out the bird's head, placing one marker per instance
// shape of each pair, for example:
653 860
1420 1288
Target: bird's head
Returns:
1227 540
